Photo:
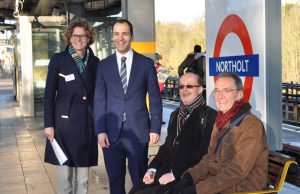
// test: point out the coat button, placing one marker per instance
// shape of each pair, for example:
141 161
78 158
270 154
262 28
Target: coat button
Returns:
84 98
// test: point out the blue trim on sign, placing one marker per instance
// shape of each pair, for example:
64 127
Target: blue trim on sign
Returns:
242 65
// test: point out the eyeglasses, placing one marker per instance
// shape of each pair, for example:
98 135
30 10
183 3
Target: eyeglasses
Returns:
79 36
188 86
224 91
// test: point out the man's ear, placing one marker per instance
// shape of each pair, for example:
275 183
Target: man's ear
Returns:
240 94
200 90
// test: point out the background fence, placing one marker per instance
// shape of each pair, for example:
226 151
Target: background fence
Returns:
290 98
291 102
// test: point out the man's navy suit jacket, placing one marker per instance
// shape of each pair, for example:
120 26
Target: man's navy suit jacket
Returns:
110 102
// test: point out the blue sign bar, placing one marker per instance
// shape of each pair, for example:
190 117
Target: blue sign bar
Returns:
243 65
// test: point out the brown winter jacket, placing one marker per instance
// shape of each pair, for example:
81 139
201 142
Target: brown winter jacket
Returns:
241 162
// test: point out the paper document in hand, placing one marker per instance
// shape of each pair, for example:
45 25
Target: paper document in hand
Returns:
60 155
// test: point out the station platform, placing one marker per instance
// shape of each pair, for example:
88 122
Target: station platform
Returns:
22 145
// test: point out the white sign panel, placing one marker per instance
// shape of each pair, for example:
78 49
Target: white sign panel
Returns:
237 41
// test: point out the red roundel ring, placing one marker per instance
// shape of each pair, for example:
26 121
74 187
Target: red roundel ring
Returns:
233 23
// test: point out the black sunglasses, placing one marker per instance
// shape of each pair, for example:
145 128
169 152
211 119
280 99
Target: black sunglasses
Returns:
189 86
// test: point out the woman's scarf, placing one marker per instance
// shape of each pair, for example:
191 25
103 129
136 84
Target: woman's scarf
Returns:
185 110
222 119
81 63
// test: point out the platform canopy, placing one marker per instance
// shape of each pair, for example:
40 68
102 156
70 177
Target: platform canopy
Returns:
93 10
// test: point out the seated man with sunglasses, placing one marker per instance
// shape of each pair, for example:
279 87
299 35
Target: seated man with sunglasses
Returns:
189 131
237 158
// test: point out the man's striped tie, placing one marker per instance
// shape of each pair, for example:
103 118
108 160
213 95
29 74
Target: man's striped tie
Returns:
123 74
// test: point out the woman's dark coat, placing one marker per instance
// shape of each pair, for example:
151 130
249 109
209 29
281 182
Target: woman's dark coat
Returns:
68 108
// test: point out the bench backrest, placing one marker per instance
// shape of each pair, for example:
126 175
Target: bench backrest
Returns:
277 163
294 173
279 166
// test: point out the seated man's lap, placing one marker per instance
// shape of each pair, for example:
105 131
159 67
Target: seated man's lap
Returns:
154 188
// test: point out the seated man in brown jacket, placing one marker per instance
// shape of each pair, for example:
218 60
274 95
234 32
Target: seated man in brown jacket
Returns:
237 158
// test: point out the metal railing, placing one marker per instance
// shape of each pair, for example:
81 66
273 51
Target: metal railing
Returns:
291 102
290 98
170 91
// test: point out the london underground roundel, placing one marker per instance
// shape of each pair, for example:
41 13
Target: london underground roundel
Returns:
234 24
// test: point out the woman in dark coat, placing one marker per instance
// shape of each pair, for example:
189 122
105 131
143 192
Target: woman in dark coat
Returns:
189 132
68 108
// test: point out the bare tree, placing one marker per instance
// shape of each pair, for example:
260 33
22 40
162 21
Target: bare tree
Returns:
290 43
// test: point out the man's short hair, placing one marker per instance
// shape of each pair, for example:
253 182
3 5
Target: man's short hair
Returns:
157 56
235 77
122 21
198 78
197 48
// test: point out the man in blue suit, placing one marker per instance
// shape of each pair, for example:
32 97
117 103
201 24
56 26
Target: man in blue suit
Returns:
122 121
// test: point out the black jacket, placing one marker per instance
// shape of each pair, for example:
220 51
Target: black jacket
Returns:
179 153
197 66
